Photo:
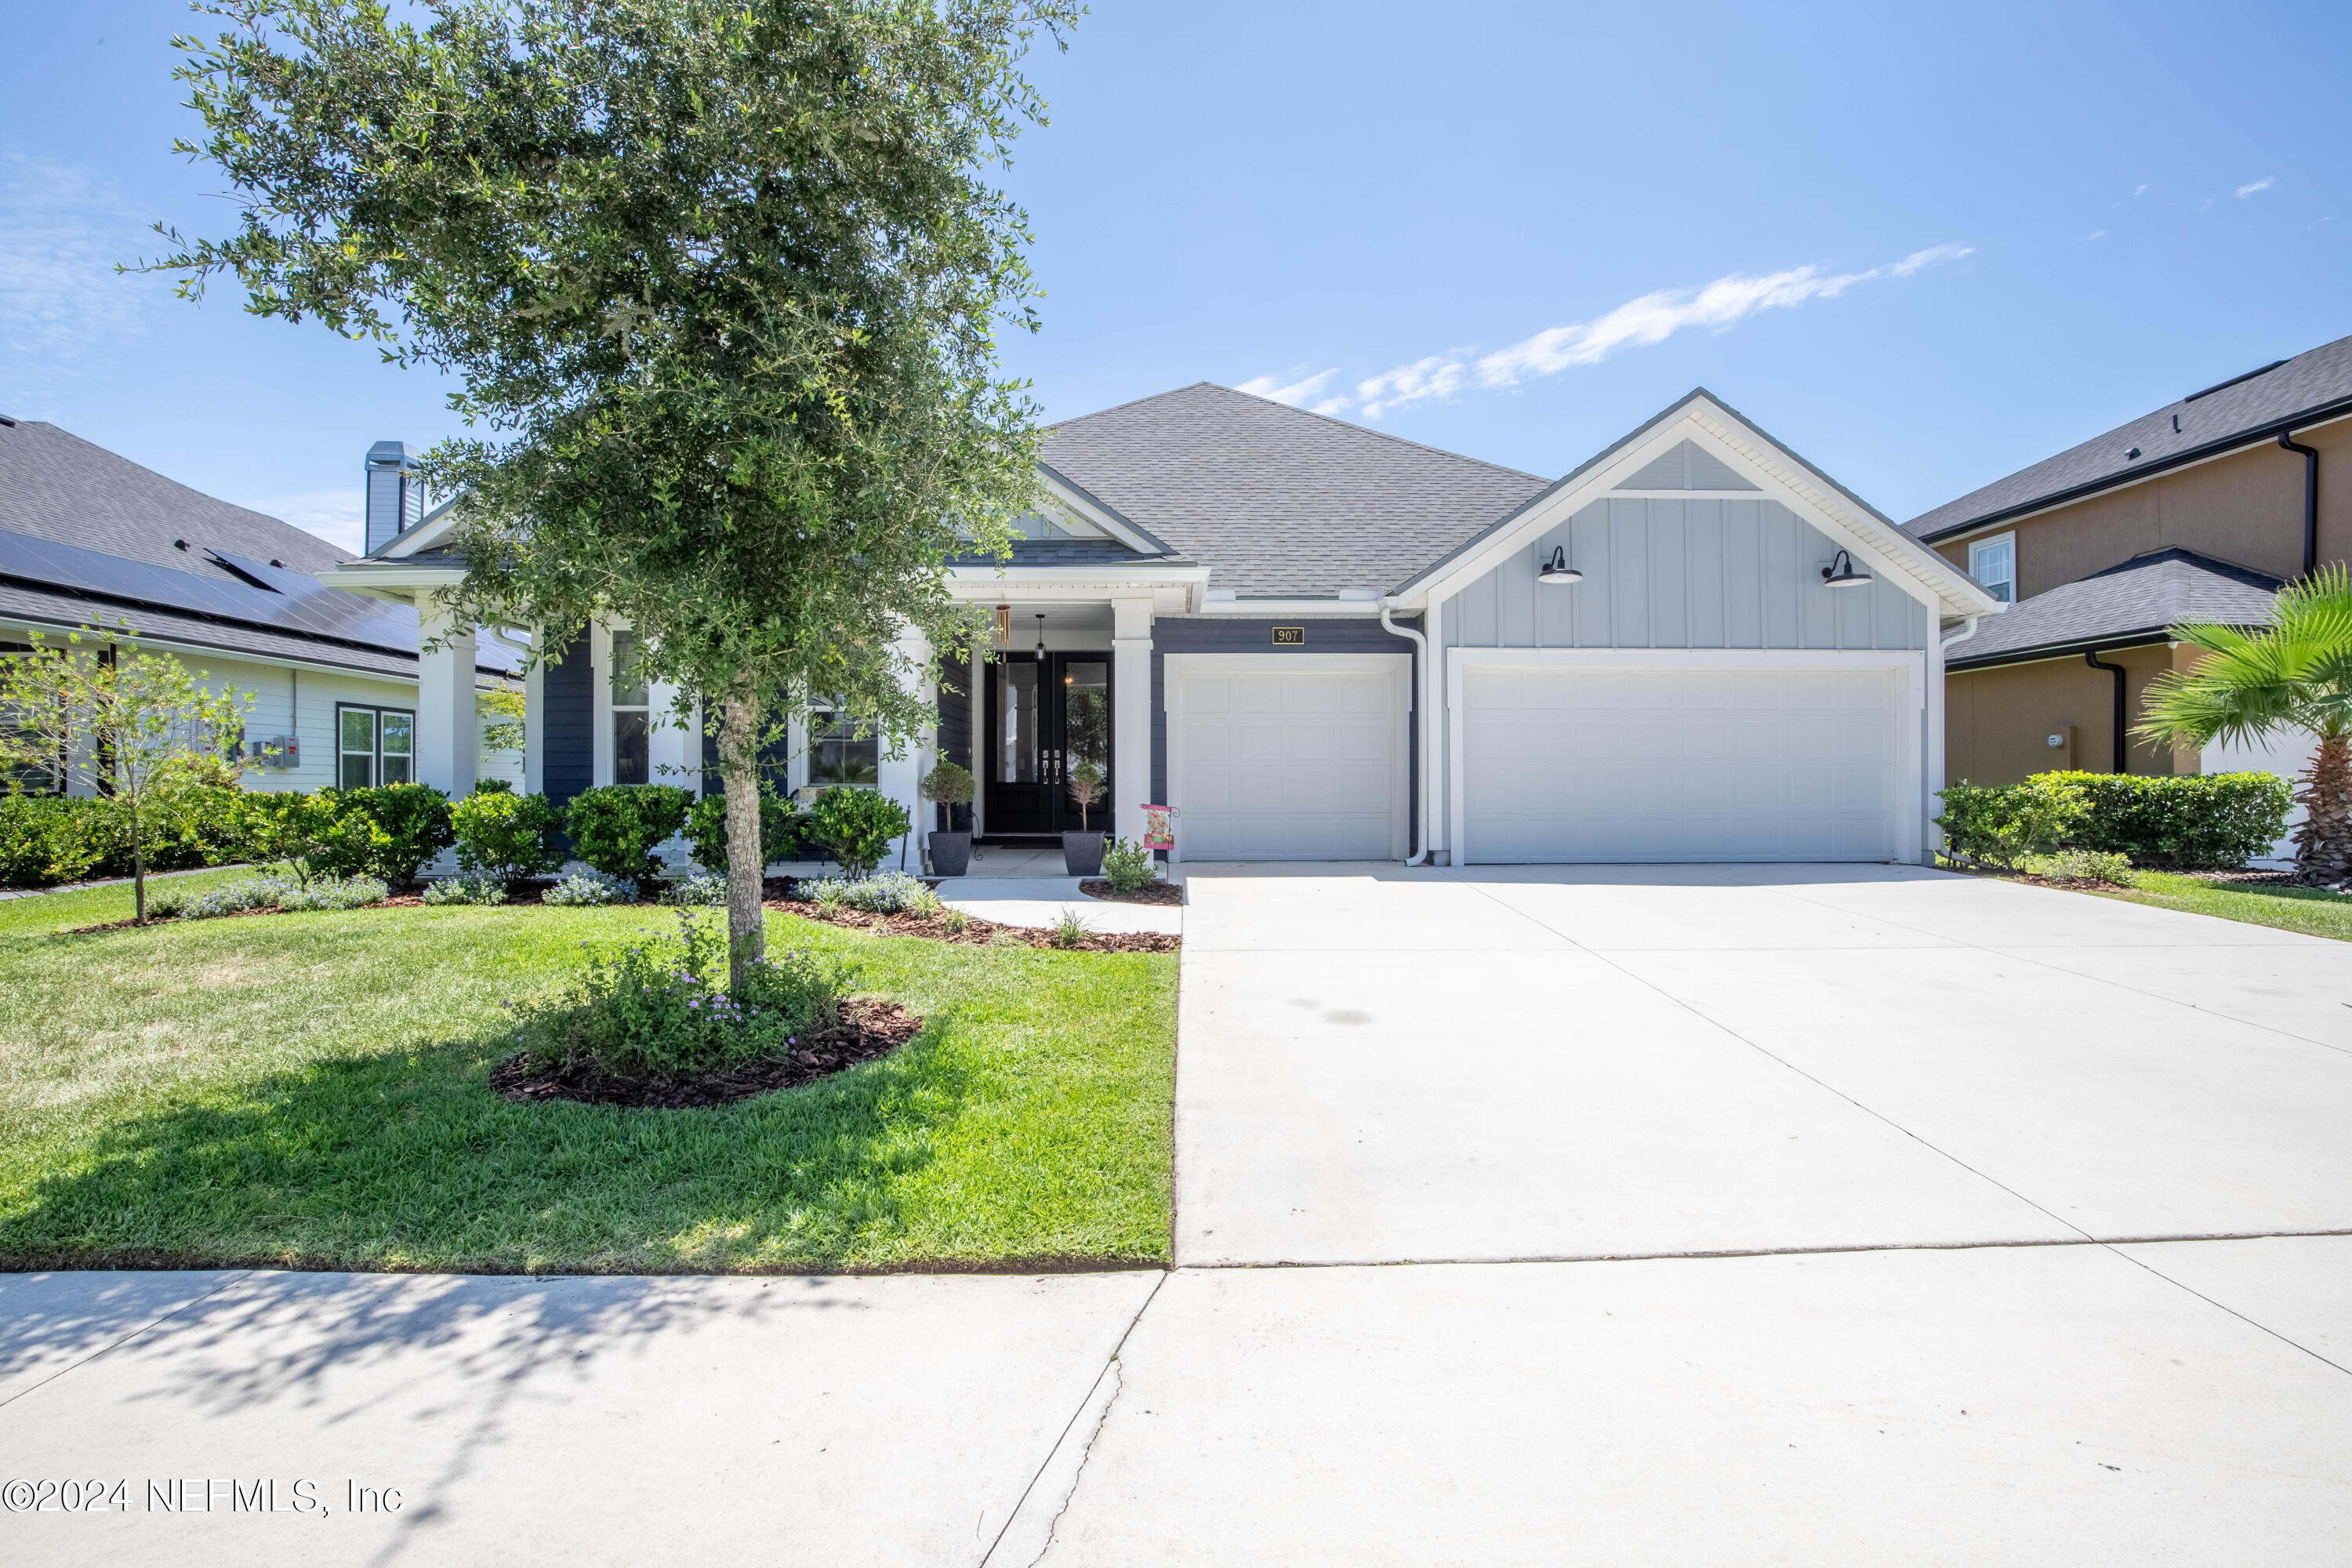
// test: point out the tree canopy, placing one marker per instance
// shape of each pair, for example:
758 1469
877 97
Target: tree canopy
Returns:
722 285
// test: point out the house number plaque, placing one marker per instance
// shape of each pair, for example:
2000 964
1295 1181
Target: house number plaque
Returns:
1295 635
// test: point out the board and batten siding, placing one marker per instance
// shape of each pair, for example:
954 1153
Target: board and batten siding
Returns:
1683 574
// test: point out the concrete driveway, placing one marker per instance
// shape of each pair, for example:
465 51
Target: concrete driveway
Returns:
1917 1111
1382 1064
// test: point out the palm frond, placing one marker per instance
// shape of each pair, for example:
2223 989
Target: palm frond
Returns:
2293 674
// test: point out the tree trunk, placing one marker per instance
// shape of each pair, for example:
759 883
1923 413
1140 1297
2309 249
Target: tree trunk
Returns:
138 872
746 866
2323 845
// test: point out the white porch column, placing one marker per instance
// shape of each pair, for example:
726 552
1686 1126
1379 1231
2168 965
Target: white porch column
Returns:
449 726
534 731
1130 714
897 773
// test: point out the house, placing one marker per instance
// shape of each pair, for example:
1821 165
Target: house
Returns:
90 539
1318 641
2198 511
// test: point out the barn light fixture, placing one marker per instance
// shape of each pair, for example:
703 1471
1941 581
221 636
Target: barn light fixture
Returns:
1840 573
1041 634
1555 568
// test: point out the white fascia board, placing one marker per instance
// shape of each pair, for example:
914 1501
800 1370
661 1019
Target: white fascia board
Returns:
1259 608
387 580
1082 583
1879 545
1068 497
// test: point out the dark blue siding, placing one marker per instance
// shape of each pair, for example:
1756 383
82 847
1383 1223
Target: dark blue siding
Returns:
1223 635
568 729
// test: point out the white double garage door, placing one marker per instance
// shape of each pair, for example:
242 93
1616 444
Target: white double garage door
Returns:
1600 757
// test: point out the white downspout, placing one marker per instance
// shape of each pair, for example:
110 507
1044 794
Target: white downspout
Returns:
1388 604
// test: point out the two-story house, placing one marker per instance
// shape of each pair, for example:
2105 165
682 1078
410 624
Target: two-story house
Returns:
2200 510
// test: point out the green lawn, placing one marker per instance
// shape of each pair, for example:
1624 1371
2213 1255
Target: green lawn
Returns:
2312 910
311 1089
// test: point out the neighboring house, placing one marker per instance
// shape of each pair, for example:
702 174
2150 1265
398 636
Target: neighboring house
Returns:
1320 642
2197 511
90 539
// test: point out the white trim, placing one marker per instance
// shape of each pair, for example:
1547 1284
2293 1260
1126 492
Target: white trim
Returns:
1367 609
1109 522
1913 661
1396 667
1918 570
2008 537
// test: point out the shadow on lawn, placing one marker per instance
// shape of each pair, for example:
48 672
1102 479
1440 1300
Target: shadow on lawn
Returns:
407 1160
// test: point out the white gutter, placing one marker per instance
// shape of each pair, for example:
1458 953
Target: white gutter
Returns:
1388 604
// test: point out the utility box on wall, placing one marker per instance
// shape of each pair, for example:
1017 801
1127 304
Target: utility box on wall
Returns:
277 751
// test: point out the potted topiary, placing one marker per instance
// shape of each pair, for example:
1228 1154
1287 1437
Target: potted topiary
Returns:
1082 852
950 785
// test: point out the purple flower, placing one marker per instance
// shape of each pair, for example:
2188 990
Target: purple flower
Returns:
693 1004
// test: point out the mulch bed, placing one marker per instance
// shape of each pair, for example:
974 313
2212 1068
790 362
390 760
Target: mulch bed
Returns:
868 1027
1156 893
978 933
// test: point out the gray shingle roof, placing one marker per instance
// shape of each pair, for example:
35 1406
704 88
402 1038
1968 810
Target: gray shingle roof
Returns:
2136 600
55 485
22 607
1274 499
2213 422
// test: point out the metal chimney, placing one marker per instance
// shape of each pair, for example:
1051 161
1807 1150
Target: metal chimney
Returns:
395 500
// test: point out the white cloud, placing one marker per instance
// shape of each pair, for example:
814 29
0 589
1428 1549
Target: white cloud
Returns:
61 301
2139 191
2262 184
2094 233
1651 319
335 516
1296 394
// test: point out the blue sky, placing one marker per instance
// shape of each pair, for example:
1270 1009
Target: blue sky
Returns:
1924 246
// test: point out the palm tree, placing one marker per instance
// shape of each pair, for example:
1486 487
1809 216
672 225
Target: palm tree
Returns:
2293 674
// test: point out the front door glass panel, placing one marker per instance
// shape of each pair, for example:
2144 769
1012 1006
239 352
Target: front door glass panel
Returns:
1020 730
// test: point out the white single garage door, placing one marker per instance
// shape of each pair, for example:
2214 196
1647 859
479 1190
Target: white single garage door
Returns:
1623 763
1295 758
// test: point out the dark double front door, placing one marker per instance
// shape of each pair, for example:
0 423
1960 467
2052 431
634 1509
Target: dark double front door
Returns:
1048 714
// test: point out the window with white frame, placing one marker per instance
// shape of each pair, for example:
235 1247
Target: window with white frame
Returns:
1993 564
374 746
632 719
837 754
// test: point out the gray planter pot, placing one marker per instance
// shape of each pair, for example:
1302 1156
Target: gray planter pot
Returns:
951 854
1082 853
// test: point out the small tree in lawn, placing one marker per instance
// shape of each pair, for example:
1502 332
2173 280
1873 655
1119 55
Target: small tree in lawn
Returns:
726 276
2293 675
138 727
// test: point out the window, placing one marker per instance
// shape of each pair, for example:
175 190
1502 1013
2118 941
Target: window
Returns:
374 746
631 722
1993 564
836 754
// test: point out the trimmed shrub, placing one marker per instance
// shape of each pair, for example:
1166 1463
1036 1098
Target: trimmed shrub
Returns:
589 887
386 832
333 893
617 828
857 827
884 893
2003 823
45 840
506 836
658 1006
2088 866
698 889
471 888
706 830
1127 866
2187 822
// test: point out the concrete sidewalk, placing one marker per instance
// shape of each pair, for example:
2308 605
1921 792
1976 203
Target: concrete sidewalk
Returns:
2084 1405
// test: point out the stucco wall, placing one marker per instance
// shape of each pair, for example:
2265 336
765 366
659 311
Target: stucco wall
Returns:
1683 574
2246 509
1998 722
